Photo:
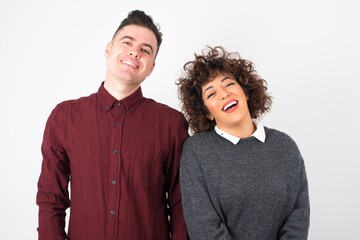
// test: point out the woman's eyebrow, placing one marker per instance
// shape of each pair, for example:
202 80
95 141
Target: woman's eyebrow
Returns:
225 78
208 88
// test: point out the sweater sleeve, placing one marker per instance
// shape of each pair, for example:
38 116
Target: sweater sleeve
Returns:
202 220
296 226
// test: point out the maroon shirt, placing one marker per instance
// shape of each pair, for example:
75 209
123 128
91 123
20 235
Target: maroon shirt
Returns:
122 161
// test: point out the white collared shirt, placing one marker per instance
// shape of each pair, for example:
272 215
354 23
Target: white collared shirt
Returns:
259 133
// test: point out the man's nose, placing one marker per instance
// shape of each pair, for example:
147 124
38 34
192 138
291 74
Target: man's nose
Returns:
134 54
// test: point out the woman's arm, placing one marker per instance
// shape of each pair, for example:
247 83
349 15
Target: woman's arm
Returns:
297 223
202 220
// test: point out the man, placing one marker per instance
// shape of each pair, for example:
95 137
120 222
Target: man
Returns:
119 151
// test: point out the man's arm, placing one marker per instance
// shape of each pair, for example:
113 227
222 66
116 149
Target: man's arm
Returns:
177 221
53 196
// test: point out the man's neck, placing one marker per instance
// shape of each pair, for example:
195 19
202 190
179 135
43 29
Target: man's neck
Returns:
118 90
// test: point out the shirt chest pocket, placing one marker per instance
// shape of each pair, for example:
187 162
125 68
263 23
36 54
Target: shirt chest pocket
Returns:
146 168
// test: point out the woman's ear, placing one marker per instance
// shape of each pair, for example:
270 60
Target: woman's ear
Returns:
210 117
247 94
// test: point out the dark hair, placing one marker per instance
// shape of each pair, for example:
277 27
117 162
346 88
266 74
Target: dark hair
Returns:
140 18
204 69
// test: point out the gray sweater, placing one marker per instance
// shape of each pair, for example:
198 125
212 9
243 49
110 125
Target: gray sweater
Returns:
251 190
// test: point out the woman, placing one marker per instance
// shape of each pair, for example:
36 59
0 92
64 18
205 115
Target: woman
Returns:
239 179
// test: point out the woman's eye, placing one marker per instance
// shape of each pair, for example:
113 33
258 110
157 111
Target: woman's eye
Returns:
229 84
210 95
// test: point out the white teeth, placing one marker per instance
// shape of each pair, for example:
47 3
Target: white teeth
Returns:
130 63
229 105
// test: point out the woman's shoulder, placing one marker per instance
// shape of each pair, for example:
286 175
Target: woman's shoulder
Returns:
280 138
200 139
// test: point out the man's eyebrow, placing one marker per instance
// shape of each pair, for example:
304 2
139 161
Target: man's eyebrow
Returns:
149 46
129 37
133 39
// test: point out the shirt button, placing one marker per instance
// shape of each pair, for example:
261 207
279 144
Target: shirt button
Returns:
114 151
118 104
112 212
113 182
117 124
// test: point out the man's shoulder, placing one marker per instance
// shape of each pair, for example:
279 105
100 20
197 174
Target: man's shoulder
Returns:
76 105
162 107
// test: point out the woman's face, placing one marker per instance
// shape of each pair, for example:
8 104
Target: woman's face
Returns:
226 102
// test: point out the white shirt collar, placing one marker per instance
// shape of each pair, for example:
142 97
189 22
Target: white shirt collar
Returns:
259 133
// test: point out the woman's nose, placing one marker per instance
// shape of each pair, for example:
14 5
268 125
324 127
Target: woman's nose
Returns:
223 95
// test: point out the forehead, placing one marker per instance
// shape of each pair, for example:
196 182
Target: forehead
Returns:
218 78
139 34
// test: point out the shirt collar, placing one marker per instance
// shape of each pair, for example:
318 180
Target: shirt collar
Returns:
259 133
107 101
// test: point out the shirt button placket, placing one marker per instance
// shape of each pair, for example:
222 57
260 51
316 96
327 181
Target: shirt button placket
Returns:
114 170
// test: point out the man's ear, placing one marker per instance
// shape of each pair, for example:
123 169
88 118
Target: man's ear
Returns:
151 70
107 49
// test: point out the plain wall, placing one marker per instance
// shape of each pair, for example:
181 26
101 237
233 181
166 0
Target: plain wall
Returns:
308 51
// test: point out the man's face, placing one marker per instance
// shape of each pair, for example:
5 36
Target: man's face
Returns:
130 56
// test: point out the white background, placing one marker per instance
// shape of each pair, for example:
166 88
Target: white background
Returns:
307 50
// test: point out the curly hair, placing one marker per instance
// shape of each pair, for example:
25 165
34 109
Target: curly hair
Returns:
204 69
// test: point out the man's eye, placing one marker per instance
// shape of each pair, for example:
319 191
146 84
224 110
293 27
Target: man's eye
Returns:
126 43
145 51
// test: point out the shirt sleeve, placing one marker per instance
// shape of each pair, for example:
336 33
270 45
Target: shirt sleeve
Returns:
53 196
177 221
297 223
202 219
